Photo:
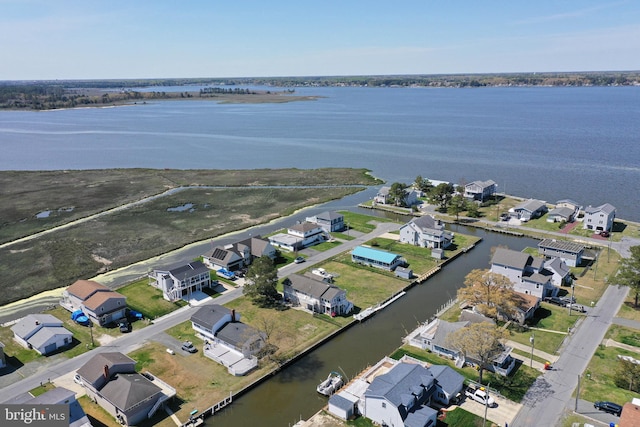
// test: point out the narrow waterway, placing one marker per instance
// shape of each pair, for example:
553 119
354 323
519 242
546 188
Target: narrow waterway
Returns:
290 395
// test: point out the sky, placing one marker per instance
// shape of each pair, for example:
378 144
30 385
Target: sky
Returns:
117 39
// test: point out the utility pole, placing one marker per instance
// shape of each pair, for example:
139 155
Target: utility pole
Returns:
532 339
577 394
573 288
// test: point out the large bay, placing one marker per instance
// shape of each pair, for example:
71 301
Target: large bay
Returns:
547 143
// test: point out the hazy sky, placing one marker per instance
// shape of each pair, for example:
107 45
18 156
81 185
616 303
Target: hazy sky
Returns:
99 39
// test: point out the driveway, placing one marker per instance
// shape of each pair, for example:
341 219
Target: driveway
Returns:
502 415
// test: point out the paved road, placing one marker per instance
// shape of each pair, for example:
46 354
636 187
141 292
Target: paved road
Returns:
549 396
13 384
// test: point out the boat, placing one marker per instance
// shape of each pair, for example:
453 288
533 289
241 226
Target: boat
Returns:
331 384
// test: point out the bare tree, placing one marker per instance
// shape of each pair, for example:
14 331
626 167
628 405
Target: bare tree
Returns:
480 342
491 293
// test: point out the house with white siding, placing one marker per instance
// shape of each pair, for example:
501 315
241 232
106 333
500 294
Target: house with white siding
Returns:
570 252
599 218
528 210
43 333
526 273
480 190
238 255
181 281
376 258
299 236
330 221
316 296
427 232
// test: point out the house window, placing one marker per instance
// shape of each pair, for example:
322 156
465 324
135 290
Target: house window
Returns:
384 404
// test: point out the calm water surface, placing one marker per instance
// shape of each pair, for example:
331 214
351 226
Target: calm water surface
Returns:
547 143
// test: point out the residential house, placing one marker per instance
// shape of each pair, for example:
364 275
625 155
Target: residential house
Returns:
236 256
433 336
56 396
383 196
299 236
330 221
560 272
561 215
427 232
599 218
43 333
316 296
568 203
3 360
526 273
480 190
526 308
571 253
98 302
630 416
376 258
110 380
181 281
529 209
227 340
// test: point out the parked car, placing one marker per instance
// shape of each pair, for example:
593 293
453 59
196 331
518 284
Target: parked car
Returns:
299 260
577 307
124 327
77 379
189 347
610 407
555 300
567 300
604 233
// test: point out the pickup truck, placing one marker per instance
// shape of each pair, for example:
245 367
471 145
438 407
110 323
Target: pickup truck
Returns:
480 395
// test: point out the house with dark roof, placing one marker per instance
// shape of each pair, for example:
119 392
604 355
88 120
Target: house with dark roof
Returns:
110 380
316 296
376 258
98 302
330 221
528 210
227 340
433 336
480 190
526 273
569 252
238 255
43 333
561 215
599 218
56 396
181 281
427 232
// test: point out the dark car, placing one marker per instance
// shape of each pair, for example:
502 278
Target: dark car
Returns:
555 300
604 233
124 327
610 407
189 347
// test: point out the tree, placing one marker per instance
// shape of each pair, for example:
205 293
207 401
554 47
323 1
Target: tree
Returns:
422 184
492 294
629 273
398 193
261 281
627 375
480 342
441 194
458 204
473 210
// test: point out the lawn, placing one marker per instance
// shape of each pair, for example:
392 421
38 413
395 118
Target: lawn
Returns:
360 222
146 299
325 246
598 381
624 335
628 309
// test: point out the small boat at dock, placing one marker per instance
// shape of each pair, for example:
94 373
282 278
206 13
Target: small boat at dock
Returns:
331 384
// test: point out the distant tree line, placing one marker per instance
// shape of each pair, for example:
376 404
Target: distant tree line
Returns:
226 91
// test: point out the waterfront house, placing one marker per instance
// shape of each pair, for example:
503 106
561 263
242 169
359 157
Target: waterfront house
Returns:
526 273
299 236
56 396
43 333
433 336
427 232
330 221
571 253
383 196
529 209
376 258
316 296
111 381
238 255
561 214
180 281
568 203
98 302
480 190
599 218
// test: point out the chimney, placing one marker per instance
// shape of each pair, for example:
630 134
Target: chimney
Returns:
106 372
233 315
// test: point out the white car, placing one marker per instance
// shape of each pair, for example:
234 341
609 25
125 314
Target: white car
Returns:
77 379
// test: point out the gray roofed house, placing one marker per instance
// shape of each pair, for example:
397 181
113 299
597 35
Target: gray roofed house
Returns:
341 406
480 190
180 281
568 203
242 337
240 254
127 390
212 317
93 372
530 209
526 273
561 273
569 252
599 218
330 221
450 381
561 214
427 232
56 396
315 295
42 332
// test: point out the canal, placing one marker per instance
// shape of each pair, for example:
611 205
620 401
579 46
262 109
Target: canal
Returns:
291 394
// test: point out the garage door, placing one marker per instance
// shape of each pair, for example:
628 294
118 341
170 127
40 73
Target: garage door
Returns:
49 348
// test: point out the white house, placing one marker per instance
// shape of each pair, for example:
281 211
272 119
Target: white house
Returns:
316 296
569 252
480 190
426 231
299 236
599 218
181 281
526 273
529 209
43 333
383 196
329 221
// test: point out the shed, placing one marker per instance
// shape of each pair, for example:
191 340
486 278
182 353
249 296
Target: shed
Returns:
437 253
404 273
343 405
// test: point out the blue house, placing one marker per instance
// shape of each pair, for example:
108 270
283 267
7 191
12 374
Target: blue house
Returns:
376 258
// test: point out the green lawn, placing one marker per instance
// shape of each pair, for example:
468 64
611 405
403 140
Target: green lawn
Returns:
598 380
146 299
325 246
360 222
624 335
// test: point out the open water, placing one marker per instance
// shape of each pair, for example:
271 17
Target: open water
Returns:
546 143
